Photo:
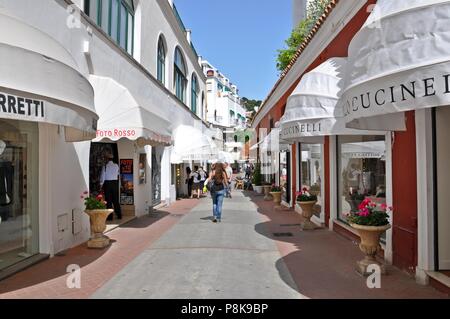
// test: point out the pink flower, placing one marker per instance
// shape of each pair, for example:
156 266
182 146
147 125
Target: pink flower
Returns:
391 208
364 212
304 189
383 206
99 197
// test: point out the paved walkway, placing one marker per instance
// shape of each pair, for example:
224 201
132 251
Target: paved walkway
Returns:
180 253
48 278
200 259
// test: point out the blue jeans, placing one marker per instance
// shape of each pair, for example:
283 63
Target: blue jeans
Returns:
217 198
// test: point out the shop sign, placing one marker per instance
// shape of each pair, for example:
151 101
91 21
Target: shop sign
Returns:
116 133
408 90
21 107
300 129
126 182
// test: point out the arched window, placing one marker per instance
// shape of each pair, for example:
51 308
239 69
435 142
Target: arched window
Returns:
180 79
194 93
161 62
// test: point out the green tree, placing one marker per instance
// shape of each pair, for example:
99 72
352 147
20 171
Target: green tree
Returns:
298 35
250 105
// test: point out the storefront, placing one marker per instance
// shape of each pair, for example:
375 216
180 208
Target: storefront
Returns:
409 94
137 138
192 147
40 117
341 166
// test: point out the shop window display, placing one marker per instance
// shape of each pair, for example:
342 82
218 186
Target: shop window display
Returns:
311 173
362 171
19 209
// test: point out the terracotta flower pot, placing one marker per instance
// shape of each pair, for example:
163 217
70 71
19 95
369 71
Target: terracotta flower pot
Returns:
307 213
267 192
276 198
97 219
370 244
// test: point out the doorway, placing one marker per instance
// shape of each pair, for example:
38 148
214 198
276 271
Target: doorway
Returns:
156 176
97 161
442 183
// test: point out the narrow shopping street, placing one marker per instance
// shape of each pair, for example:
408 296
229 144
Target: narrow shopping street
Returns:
200 259
178 252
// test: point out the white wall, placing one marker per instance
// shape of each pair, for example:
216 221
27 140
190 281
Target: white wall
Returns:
64 176
64 167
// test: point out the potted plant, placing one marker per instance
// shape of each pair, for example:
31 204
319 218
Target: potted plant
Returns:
95 207
354 198
267 187
257 179
307 201
371 220
276 192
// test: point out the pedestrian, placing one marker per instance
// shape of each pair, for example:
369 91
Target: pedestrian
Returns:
217 182
229 172
196 185
109 181
189 180
203 177
248 170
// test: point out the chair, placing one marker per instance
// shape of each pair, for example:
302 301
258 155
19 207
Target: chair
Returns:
239 184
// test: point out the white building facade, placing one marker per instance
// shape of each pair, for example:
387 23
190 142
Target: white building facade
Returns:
80 79
223 100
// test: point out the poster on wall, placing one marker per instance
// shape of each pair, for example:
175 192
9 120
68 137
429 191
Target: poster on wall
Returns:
142 168
126 182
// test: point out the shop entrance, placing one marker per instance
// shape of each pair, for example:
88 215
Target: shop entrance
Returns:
285 175
156 176
311 174
442 182
19 191
97 161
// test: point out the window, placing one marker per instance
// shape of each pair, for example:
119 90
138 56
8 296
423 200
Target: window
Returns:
194 93
311 173
19 191
116 18
362 171
161 61
180 80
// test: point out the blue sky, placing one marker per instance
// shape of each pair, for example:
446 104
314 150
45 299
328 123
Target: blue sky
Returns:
240 38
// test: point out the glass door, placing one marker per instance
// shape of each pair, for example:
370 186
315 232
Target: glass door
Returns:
311 174
19 208
156 176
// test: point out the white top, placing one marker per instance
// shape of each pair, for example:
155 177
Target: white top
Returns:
203 175
196 176
229 172
110 172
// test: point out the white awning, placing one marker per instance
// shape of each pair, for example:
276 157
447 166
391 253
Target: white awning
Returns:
374 149
273 143
311 109
40 81
122 117
192 144
399 61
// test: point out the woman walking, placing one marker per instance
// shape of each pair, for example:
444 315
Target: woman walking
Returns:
218 185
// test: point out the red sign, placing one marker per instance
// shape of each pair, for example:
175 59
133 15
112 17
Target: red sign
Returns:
126 166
